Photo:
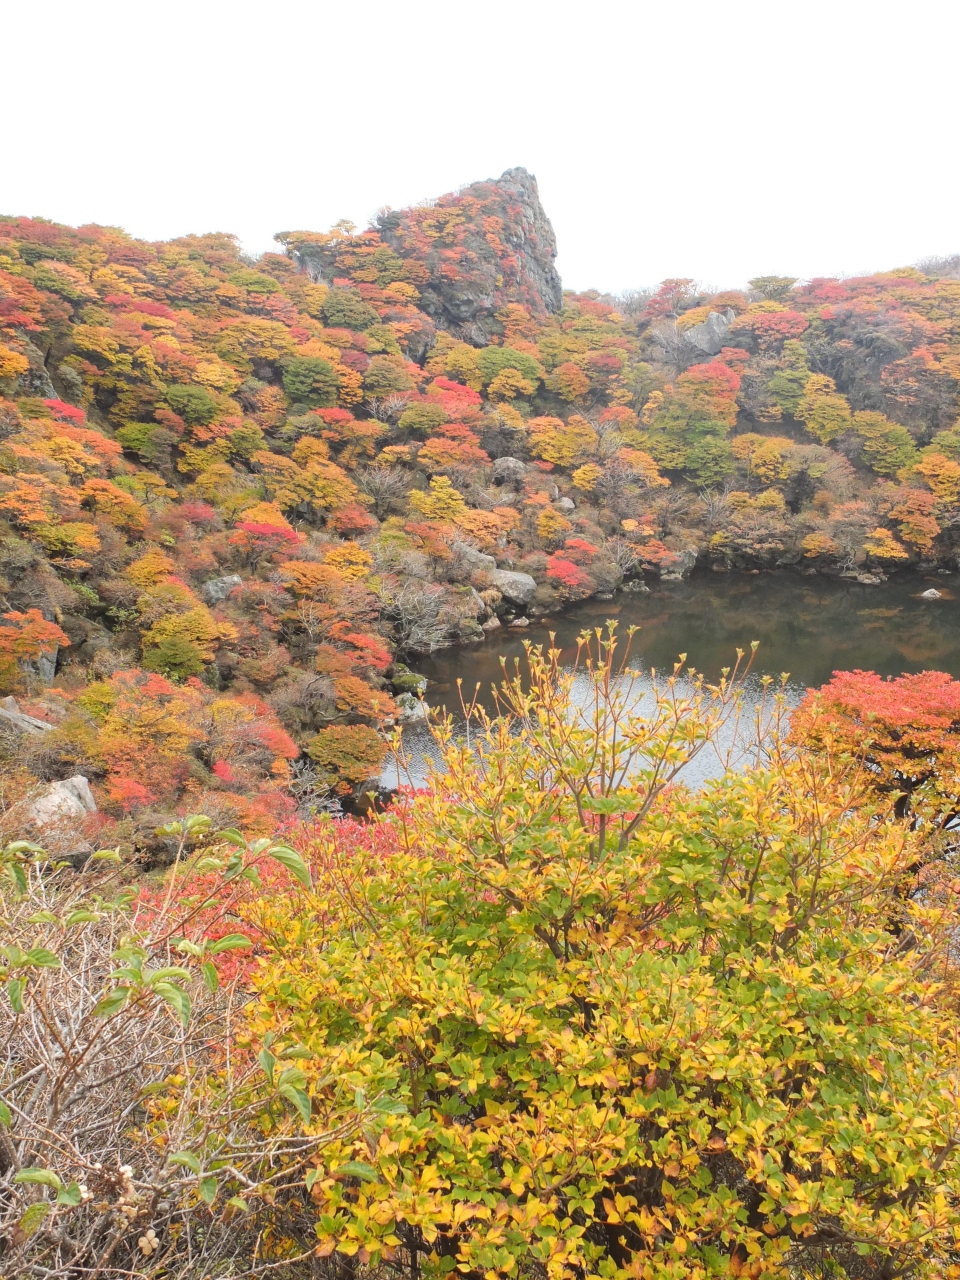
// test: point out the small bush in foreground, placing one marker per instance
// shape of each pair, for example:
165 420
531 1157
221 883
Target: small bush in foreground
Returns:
628 1029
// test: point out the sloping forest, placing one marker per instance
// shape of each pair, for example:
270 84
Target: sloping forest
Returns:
239 497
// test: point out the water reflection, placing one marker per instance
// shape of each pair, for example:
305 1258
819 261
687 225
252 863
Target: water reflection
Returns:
808 627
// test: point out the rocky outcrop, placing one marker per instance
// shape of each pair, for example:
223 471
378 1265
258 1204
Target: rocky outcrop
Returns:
472 557
682 566
710 337
501 243
518 588
11 714
216 589
509 471
63 802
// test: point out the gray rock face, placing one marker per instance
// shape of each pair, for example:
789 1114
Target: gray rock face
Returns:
518 265
565 505
518 588
476 559
63 801
688 558
932 594
509 470
11 714
711 336
216 589
411 709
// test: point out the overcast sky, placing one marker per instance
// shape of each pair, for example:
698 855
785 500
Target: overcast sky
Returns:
716 140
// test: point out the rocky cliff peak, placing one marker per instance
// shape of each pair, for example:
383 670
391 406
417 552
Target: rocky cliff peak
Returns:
481 248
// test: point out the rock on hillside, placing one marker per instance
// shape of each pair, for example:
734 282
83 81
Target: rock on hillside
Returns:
483 247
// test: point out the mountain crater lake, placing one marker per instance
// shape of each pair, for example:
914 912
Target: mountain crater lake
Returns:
807 627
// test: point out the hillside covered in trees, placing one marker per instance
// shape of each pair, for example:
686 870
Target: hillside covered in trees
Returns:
239 497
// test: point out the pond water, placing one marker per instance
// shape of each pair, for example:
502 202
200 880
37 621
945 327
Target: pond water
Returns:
808 627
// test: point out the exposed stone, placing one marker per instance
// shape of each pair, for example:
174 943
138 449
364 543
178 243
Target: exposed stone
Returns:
476 559
683 567
411 709
509 469
520 622
406 681
873 580
216 589
518 269
710 336
565 504
931 594
518 588
63 801
10 713
637 585
491 624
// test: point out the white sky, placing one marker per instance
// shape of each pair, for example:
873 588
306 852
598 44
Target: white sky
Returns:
677 137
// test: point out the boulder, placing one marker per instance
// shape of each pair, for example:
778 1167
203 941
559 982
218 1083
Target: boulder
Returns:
565 505
474 558
216 589
11 714
931 594
683 567
491 624
411 709
518 588
509 470
873 579
520 622
63 801
711 336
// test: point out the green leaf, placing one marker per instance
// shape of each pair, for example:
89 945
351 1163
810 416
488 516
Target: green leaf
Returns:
294 1076
176 997
15 988
106 855
171 971
111 1003
43 958
238 1202
622 802
232 836
357 1169
299 1099
169 829
70 1195
32 1217
290 859
210 976
253 875
388 1107
187 1159
268 1062
81 917
296 1051
42 917
230 941
45 1177
20 876
5 1117
208 1190
188 948
23 846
